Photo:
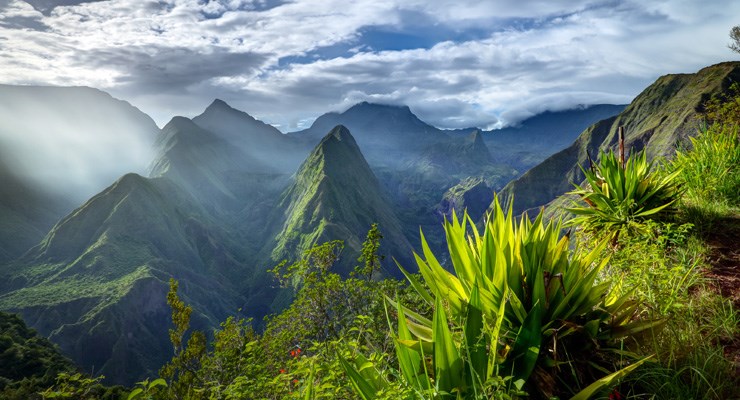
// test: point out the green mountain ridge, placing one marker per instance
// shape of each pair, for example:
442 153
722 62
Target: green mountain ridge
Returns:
661 117
335 195
97 283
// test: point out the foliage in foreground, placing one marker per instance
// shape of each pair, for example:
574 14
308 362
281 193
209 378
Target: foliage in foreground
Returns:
521 312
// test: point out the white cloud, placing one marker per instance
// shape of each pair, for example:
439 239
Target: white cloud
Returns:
173 56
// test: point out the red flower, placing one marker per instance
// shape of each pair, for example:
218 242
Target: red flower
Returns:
295 381
282 370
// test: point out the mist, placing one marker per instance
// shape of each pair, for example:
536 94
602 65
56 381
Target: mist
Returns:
72 142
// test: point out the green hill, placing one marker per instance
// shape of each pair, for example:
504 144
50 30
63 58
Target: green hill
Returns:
662 116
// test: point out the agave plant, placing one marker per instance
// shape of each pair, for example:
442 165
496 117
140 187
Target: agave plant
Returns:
518 310
621 194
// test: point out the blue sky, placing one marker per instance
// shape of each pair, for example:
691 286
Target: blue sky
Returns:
455 63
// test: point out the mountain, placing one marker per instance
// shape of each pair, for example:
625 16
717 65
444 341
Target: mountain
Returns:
97 282
255 138
335 195
220 206
26 214
536 138
58 147
72 141
661 117
388 135
467 155
207 166
471 194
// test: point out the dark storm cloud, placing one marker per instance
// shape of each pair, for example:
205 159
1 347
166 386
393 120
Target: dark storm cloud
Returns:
171 70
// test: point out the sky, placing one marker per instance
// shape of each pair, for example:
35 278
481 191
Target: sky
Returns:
455 63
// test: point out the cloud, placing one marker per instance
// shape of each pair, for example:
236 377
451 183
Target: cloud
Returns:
456 64
174 70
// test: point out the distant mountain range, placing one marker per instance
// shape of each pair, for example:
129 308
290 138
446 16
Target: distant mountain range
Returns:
224 198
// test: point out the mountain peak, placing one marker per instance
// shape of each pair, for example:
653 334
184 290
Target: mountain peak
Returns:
340 133
367 106
219 103
475 138
219 107
179 123
335 194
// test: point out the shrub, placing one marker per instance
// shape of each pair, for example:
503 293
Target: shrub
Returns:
619 195
520 308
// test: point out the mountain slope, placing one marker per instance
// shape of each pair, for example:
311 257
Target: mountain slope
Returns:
335 195
29 362
255 138
58 147
662 116
72 140
26 214
97 283
538 137
207 166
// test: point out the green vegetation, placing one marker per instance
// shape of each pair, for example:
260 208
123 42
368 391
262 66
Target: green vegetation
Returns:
523 309
621 193
335 195
664 263
27 360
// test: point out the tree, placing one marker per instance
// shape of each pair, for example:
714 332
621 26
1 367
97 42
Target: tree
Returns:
735 36
370 255
181 371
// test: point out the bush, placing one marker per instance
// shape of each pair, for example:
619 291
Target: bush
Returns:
522 311
622 195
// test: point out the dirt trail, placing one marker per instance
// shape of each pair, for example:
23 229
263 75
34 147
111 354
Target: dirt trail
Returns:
724 243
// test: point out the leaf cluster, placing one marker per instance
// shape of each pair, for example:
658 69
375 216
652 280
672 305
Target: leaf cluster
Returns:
520 309
623 194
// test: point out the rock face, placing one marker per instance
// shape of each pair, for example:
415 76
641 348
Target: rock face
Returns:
663 115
